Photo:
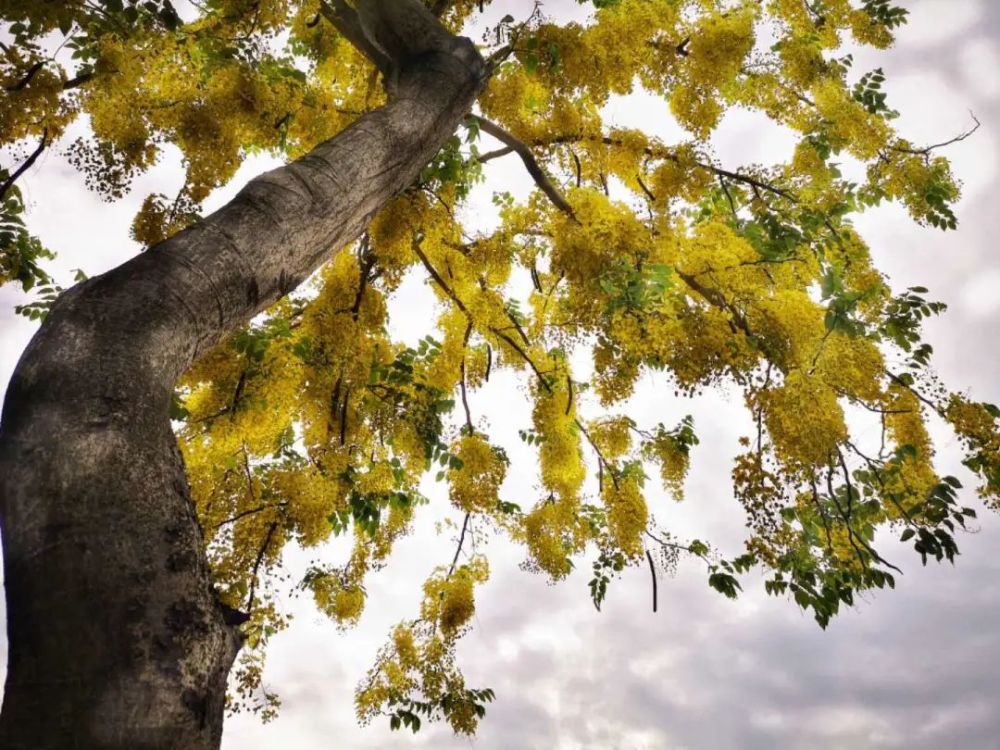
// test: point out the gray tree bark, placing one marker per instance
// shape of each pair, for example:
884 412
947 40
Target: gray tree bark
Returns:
116 639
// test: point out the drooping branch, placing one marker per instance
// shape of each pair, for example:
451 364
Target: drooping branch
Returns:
438 278
530 162
712 296
493 329
652 573
465 395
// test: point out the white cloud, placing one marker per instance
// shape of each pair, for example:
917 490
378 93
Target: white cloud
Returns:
934 22
977 58
980 295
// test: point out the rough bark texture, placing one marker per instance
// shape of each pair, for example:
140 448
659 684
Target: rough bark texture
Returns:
115 637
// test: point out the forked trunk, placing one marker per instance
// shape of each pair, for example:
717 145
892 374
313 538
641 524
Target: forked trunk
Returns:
115 637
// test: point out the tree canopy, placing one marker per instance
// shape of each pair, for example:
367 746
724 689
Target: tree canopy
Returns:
633 254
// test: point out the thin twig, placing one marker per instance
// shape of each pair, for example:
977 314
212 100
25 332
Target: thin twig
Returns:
461 541
957 139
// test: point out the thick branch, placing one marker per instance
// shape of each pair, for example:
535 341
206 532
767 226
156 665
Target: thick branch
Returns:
26 78
76 81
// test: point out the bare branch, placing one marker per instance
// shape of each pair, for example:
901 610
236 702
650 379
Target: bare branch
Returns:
652 573
461 541
465 395
249 512
532 165
957 139
490 155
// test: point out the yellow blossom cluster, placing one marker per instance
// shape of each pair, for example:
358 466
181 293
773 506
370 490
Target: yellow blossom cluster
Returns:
627 514
673 458
552 533
476 485
976 424
804 419
448 596
559 455
342 603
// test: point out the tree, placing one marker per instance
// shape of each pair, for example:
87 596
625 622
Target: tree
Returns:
308 420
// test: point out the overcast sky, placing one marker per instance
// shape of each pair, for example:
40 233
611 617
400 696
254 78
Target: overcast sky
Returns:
915 668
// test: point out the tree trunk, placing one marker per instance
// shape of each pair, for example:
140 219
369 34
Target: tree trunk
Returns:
116 639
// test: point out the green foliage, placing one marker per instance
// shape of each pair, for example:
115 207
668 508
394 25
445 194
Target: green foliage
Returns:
399 383
20 252
722 575
868 91
450 167
148 13
634 288
842 303
902 322
885 13
939 194
607 565
683 436
366 509
409 712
